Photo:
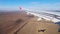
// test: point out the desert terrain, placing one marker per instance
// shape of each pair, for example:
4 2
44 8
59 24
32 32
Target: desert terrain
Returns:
21 23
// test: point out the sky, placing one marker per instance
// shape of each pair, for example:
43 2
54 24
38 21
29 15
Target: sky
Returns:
30 4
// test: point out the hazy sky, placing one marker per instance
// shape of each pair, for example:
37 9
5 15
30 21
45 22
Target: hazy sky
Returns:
30 4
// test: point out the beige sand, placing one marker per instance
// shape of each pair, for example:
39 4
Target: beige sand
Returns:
33 26
20 23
